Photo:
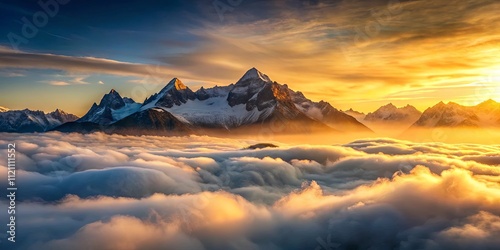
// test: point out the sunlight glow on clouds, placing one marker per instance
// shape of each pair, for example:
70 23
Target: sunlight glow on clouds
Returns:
118 192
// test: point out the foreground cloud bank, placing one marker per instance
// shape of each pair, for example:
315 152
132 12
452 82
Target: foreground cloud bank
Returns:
113 192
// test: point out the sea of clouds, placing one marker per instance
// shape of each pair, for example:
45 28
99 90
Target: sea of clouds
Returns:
100 191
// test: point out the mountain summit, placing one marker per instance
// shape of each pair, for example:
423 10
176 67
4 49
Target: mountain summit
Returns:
390 120
112 100
255 101
174 84
175 93
391 113
29 121
111 109
486 114
254 74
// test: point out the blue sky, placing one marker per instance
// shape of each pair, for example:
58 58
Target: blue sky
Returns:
352 53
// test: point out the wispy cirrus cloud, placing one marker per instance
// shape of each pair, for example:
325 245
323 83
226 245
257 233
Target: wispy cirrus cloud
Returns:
376 48
352 53
10 59
66 80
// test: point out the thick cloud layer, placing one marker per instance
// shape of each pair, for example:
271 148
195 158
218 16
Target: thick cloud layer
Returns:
115 192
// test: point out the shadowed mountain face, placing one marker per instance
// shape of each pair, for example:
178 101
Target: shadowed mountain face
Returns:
28 121
175 93
253 104
111 109
254 101
154 121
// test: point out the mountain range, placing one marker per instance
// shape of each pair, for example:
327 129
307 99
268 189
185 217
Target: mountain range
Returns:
390 113
453 115
254 103
388 119
29 121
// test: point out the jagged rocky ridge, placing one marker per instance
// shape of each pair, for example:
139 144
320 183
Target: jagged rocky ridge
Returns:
453 115
29 121
254 101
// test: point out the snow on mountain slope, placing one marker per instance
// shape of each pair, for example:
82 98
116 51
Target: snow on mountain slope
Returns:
125 111
203 94
174 94
324 112
246 90
216 112
111 109
255 74
452 122
27 121
59 117
486 114
254 100
391 113
2 109
206 107
218 107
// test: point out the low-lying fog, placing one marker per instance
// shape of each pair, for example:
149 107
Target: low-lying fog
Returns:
100 191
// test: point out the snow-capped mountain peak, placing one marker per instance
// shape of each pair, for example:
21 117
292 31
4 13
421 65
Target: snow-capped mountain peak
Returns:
32 121
253 74
407 114
61 116
112 100
255 100
176 84
174 93
448 115
111 108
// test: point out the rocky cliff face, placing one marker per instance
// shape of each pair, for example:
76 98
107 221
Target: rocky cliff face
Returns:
175 93
254 100
111 109
28 121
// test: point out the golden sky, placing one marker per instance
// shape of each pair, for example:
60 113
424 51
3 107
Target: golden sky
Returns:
353 53
360 54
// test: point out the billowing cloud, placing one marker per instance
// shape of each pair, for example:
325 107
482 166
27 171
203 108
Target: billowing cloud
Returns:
100 191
